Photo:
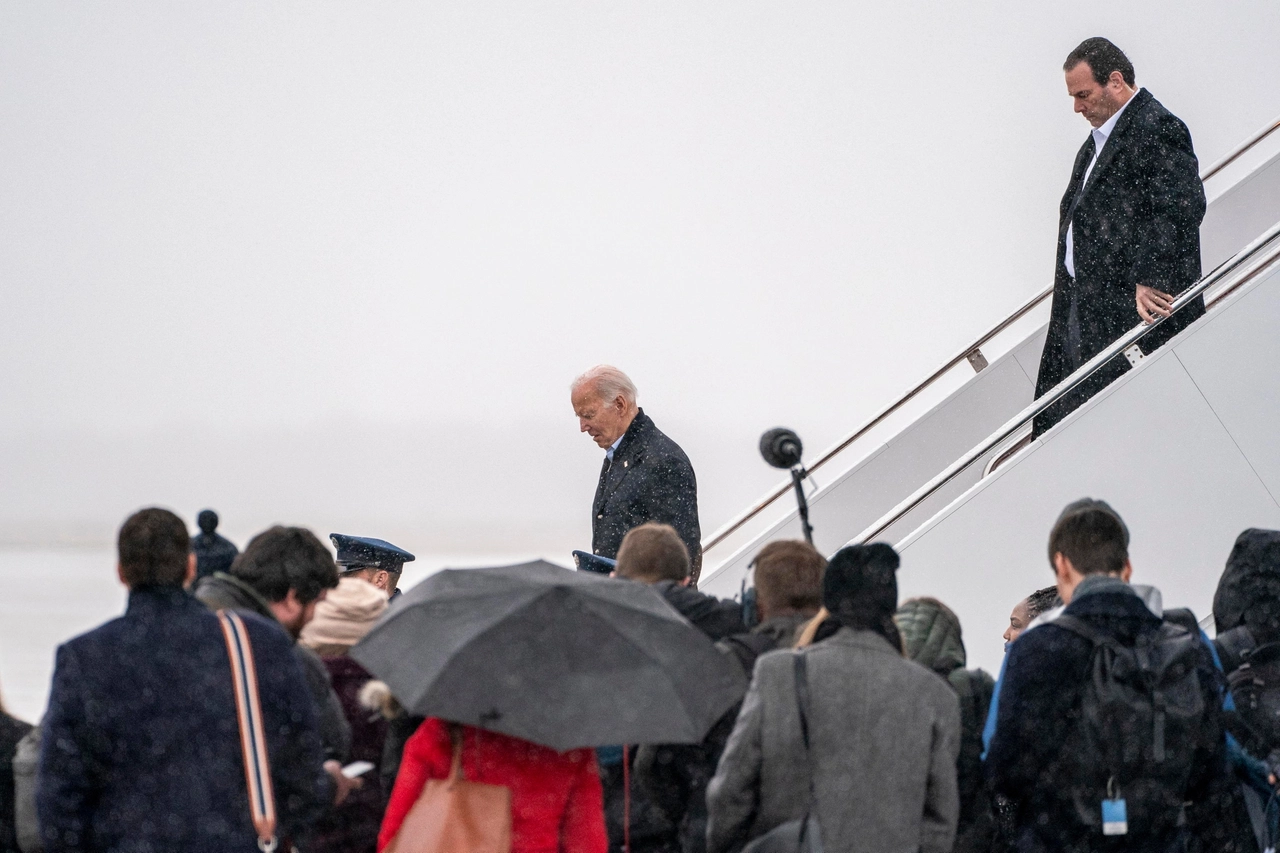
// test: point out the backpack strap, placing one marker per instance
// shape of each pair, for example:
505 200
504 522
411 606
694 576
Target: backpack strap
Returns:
1184 618
253 743
1233 647
801 665
747 647
1084 629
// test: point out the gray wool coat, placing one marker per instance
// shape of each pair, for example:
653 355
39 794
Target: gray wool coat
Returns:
884 733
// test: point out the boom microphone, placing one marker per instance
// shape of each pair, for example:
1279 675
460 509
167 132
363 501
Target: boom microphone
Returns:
781 448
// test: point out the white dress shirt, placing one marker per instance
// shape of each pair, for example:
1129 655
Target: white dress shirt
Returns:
609 453
1100 137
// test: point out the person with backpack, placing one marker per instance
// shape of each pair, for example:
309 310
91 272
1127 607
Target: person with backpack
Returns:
1110 717
788 592
931 637
1246 615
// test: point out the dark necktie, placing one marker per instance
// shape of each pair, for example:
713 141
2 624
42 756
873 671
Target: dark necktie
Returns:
604 479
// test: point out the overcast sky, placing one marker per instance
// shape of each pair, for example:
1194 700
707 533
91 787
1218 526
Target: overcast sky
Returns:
336 263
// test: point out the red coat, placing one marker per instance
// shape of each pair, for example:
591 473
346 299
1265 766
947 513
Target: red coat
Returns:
556 801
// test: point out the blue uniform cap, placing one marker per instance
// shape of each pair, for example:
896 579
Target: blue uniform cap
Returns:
365 552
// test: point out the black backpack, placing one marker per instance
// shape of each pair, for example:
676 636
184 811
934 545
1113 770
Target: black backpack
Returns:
1140 731
1255 688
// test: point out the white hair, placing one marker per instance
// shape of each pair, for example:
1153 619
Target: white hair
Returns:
610 383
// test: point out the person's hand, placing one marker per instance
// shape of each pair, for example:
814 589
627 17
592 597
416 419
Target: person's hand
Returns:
1152 303
342 785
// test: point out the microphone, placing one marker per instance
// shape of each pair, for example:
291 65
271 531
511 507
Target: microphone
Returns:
781 448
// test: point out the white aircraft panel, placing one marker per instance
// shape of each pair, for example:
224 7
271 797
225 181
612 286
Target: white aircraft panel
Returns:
1235 362
1248 208
1151 446
848 503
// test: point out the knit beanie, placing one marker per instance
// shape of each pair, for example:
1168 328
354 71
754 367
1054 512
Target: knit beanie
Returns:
860 589
346 614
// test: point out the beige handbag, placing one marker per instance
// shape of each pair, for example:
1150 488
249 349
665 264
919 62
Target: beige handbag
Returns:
456 816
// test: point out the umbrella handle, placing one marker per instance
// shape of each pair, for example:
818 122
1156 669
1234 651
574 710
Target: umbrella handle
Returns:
455 768
626 798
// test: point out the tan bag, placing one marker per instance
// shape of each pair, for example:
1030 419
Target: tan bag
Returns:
456 816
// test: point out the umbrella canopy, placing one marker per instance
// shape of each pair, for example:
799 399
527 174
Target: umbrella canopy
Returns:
561 658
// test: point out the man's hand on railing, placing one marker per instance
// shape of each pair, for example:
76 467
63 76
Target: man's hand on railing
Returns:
1152 303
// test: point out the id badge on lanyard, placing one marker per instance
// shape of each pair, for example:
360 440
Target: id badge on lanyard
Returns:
1115 816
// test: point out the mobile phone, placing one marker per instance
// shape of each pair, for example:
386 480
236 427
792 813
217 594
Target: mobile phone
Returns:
357 768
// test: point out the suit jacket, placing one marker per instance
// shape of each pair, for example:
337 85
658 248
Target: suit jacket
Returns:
1136 222
650 479
884 732
141 747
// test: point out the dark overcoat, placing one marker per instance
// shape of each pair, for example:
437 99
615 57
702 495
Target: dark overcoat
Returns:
141 748
649 479
1137 221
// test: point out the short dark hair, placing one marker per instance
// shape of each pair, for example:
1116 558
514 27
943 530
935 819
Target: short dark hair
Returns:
1042 601
1103 58
280 559
653 552
153 546
1092 539
789 576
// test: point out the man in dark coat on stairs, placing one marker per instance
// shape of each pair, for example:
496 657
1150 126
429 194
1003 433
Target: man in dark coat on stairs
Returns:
1129 226
645 477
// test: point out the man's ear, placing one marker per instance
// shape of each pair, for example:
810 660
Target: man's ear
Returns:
120 574
1062 567
1126 572
191 571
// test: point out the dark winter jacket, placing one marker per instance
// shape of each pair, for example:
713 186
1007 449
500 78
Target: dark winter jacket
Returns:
1041 697
652 828
214 553
1249 591
931 636
713 617
141 746
353 826
675 776
649 479
222 591
12 730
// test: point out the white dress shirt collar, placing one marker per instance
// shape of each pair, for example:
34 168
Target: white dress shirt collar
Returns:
614 446
1103 133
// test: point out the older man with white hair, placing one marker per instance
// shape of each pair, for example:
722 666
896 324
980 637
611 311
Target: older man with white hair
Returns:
646 476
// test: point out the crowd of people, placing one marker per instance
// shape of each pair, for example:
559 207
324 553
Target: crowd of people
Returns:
1115 724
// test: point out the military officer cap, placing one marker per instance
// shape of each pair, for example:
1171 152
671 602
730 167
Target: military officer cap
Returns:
364 552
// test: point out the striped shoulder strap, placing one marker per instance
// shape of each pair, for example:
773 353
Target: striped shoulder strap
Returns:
257 766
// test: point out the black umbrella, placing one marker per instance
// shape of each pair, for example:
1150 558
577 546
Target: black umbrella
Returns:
561 658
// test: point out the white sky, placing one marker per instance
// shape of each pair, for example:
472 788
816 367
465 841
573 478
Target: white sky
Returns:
336 264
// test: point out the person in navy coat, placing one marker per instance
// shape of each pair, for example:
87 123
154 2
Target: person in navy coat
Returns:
141 748
645 476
